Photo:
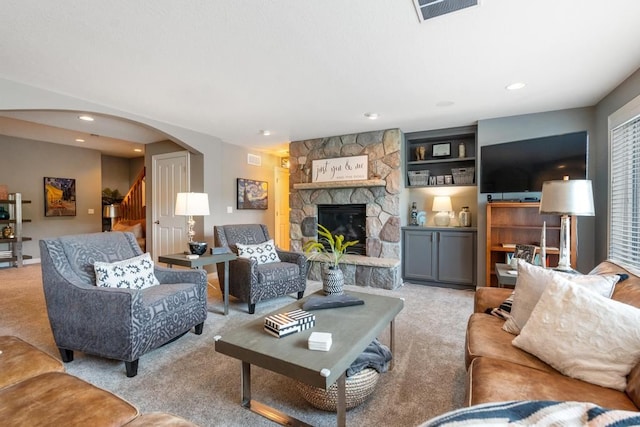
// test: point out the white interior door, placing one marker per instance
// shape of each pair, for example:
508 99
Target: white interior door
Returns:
170 177
282 208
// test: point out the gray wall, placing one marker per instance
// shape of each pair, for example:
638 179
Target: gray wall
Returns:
505 129
624 93
27 162
119 173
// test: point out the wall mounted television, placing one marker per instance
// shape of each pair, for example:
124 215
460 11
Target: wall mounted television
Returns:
522 166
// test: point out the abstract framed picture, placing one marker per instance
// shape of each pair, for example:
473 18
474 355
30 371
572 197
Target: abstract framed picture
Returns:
59 196
252 194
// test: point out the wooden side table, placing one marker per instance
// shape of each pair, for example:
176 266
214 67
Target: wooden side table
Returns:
208 259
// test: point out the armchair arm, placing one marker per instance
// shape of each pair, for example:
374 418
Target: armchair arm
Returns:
78 314
171 275
294 258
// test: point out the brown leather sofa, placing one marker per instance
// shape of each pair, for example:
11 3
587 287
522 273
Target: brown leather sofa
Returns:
35 390
498 371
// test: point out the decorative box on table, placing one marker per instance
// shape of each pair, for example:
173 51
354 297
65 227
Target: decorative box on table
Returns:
283 324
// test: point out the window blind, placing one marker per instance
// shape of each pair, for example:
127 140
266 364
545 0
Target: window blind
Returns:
624 209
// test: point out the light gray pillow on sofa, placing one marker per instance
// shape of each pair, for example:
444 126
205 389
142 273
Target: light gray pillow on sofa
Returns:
583 335
533 280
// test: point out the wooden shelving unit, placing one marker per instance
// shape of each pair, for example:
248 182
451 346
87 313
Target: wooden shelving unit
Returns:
521 223
14 204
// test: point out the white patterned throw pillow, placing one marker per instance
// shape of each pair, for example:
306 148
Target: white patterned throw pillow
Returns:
262 253
133 273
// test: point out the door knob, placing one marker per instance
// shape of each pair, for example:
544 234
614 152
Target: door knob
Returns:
156 222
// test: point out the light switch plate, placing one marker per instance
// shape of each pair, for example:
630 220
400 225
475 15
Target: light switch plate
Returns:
229 209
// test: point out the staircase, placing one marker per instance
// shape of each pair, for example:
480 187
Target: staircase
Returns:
133 204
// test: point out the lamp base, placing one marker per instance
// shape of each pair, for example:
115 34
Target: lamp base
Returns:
442 219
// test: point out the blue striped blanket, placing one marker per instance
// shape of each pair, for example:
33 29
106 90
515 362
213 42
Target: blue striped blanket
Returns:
536 413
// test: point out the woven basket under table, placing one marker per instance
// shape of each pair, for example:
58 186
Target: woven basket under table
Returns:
358 388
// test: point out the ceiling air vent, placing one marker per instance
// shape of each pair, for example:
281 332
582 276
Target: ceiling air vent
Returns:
431 8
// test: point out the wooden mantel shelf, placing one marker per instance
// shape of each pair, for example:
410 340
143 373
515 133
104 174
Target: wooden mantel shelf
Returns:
340 184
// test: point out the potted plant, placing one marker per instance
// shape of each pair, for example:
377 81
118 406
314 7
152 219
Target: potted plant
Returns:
335 249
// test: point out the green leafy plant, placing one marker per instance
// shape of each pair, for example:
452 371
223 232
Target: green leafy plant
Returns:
337 246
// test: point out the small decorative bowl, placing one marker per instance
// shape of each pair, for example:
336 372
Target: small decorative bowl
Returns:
198 248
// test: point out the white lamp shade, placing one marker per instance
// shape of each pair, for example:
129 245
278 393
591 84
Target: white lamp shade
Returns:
442 204
192 204
567 197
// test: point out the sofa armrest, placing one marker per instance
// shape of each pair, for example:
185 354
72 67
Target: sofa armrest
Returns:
294 258
489 298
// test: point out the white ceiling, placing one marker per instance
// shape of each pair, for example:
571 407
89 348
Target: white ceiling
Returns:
306 69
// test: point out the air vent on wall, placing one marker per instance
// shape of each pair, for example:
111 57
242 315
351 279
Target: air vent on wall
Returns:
431 8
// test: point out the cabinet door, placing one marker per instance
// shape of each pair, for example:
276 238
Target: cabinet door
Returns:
418 251
456 257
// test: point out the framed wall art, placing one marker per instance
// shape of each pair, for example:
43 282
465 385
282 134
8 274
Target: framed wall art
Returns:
252 194
59 196
441 150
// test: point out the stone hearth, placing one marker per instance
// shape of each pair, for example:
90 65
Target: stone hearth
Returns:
380 193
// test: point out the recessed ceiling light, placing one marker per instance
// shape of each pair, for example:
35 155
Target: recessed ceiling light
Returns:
265 132
138 150
515 86
79 140
444 103
372 116
86 118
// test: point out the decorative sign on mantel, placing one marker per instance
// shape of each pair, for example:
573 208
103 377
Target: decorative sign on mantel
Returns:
340 169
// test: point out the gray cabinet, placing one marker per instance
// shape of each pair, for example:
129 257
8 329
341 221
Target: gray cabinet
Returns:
439 256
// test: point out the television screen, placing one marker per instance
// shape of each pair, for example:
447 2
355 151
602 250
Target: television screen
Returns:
522 166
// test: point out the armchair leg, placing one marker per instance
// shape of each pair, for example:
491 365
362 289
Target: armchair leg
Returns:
67 355
300 294
252 308
199 328
132 368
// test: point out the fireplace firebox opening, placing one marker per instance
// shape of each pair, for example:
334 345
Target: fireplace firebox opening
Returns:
348 220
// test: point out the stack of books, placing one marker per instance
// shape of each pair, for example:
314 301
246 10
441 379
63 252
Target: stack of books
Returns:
320 341
283 324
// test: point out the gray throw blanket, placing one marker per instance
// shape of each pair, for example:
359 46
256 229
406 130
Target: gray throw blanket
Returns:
376 356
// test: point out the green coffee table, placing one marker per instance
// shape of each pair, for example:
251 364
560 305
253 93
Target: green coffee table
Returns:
352 329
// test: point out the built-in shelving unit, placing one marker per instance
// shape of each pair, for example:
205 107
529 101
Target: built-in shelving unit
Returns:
432 157
14 206
510 223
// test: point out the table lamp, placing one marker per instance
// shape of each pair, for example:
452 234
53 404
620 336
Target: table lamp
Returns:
442 205
192 204
111 211
566 198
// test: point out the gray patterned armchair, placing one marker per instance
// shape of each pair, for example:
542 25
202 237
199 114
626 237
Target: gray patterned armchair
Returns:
252 282
116 323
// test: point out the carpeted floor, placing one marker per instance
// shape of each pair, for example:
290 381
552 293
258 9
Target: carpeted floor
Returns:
188 378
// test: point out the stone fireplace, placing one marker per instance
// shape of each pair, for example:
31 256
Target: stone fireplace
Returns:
380 193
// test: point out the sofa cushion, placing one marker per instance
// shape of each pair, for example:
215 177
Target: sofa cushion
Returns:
20 360
277 271
532 281
59 399
135 228
262 253
583 335
132 273
485 337
493 380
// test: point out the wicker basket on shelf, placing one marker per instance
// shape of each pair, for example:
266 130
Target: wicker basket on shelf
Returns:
463 175
419 177
358 388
